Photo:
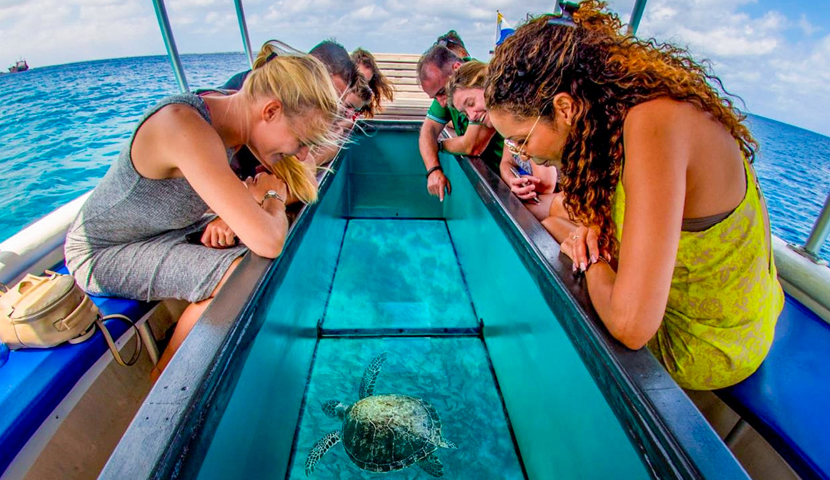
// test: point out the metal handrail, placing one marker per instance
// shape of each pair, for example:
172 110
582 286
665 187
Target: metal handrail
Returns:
636 16
818 235
243 28
821 230
170 43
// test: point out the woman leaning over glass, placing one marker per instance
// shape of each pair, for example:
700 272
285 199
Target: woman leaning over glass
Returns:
670 226
129 239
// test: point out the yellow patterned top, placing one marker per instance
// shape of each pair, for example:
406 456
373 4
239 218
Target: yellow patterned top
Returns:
724 299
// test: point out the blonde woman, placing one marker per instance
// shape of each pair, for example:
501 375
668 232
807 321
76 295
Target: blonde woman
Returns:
129 237
533 184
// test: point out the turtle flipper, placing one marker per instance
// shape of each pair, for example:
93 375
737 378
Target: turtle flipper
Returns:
367 385
432 466
447 444
334 409
320 448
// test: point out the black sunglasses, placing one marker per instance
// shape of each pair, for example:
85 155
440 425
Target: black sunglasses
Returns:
566 15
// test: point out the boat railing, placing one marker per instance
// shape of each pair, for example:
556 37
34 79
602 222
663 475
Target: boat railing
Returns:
170 44
243 29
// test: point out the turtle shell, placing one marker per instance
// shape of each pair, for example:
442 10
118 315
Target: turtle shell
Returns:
382 433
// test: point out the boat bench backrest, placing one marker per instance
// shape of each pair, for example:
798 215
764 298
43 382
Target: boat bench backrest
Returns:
786 399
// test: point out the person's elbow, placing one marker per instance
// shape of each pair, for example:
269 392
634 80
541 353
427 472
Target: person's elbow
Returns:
270 250
268 247
477 149
632 340
632 328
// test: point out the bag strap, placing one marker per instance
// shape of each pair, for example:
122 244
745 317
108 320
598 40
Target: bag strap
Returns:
113 348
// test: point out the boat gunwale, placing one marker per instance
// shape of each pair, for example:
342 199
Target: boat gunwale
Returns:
186 404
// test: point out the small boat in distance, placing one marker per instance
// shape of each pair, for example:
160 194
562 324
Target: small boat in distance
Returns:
19 66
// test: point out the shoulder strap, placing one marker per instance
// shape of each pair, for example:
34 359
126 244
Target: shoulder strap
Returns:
114 348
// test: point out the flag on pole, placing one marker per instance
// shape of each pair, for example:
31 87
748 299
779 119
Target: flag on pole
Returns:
503 29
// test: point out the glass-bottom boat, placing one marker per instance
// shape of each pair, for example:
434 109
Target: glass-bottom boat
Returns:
478 315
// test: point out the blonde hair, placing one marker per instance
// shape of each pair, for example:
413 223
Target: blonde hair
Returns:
303 86
470 74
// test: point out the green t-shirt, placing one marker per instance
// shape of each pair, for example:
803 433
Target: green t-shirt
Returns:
460 122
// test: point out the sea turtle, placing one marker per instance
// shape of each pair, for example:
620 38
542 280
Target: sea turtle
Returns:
383 433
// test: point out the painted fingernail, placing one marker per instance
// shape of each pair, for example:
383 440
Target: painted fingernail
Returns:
574 267
582 266
594 258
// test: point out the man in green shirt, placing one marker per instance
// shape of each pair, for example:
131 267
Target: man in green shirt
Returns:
434 69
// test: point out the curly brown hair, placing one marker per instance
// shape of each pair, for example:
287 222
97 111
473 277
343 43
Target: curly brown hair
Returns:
607 73
380 85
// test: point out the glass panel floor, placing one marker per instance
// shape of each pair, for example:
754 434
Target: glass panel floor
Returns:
396 274
403 277
451 373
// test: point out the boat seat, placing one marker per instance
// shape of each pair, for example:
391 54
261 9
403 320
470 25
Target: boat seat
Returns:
35 381
786 399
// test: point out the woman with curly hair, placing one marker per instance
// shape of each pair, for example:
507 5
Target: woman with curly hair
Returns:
655 165
534 184
381 86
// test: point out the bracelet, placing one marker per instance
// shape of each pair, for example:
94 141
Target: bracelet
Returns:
437 167
599 259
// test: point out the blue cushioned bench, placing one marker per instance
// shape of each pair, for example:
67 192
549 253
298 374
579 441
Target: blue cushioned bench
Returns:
788 399
34 381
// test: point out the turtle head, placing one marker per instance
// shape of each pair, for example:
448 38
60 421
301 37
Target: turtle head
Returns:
334 409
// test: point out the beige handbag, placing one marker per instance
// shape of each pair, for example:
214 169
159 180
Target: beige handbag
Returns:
43 312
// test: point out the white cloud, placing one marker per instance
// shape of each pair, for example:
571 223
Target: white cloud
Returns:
753 54
807 27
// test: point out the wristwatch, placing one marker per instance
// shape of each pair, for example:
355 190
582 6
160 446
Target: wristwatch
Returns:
271 194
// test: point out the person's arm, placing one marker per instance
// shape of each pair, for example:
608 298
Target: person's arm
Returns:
437 182
473 142
632 301
177 141
547 176
558 224
428 142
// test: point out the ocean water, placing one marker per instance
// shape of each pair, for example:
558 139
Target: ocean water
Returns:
451 374
427 297
404 275
62 126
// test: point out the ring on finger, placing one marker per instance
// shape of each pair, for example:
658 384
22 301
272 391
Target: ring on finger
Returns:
221 243
575 237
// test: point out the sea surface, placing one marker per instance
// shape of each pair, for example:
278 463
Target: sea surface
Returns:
62 126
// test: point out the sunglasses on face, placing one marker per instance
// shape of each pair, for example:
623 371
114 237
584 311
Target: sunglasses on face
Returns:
440 93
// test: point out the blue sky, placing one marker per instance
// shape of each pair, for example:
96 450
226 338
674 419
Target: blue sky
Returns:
774 54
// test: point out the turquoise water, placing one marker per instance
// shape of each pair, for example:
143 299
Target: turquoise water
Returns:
452 374
404 274
430 295
62 126
511 392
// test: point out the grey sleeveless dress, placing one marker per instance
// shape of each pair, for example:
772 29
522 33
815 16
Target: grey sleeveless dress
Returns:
128 240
